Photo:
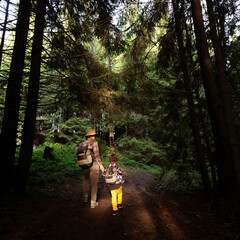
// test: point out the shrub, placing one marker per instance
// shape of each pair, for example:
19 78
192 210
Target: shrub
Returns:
143 151
51 172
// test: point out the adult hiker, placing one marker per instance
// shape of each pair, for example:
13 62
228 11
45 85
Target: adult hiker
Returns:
91 173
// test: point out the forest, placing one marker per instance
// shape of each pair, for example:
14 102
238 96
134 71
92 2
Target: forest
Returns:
159 81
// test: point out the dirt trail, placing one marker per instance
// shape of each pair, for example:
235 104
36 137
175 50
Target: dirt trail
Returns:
148 213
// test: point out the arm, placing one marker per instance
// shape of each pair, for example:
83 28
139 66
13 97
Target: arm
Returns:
119 170
120 178
104 172
97 156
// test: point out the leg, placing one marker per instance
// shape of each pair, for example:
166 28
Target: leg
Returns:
86 178
94 175
114 200
119 192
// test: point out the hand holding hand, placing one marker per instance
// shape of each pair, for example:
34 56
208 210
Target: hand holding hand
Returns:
102 168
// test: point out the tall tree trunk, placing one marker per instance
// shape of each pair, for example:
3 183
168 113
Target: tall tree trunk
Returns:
189 95
199 106
221 20
222 84
3 33
25 156
223 158
12 102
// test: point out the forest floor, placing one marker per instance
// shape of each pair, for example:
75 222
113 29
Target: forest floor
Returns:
150 212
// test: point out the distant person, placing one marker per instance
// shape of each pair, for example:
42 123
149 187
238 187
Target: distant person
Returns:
91 174
116 188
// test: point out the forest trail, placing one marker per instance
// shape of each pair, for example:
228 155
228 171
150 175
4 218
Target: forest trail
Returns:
149 213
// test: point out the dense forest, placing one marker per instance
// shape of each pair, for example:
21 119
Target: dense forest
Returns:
158 80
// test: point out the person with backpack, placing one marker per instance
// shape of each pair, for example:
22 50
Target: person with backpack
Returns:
91 173
115 186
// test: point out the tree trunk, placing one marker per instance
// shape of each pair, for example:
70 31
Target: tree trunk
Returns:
12 102
222 84
111 137
4 32
221 12
25 156
189 95
223 158
199 106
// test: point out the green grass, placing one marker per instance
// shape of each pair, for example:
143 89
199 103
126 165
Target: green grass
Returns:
50 172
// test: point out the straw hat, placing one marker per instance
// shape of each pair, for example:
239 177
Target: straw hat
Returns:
90 132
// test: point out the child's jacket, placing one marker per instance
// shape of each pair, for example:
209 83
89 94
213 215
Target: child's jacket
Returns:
120 179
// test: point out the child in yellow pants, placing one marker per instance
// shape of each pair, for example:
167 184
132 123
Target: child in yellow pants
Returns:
116 198
116 188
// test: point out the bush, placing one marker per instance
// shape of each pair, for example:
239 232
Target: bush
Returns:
49 172
54 171
72 131
104 151
142 151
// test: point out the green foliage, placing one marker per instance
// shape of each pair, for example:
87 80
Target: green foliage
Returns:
49 173
136 124
104 151
79 91
142 151
74 129
70 132
2 98
171 180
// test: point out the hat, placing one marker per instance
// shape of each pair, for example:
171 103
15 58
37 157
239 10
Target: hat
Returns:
90 132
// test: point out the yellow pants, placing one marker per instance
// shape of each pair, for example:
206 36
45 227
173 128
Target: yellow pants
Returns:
116 198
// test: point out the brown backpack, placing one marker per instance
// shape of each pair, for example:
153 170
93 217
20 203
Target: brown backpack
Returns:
111 175
84 156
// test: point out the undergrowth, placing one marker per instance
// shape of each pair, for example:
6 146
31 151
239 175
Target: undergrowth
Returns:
49 173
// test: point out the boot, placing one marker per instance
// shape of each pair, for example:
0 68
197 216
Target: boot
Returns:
93 204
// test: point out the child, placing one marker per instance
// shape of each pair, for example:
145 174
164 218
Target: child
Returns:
116 189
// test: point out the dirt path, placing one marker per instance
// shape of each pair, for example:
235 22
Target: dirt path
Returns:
148 213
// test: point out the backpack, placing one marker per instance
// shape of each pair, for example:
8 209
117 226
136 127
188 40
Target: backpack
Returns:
84 156
111 175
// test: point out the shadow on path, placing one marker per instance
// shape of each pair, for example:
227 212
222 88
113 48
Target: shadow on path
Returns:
146 215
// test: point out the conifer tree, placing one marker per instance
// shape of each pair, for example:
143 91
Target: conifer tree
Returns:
12 102
25 156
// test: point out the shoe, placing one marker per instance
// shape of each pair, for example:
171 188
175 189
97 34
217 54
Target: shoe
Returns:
93 204
115 212
120 206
